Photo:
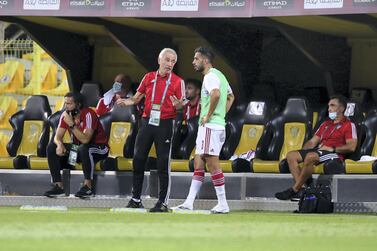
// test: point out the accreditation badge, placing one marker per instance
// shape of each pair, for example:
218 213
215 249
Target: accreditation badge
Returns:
72 158
155 115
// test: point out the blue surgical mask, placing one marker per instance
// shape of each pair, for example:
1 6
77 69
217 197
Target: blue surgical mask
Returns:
332 115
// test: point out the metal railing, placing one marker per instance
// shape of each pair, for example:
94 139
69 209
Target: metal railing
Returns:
15 48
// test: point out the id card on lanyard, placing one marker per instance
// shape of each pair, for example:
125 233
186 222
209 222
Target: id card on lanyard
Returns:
73 152
155 115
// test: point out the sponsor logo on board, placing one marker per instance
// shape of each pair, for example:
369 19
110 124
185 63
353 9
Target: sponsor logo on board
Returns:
364 3
179 5
86 4
41 4
6 4
323 4
132 5
274 4
226 4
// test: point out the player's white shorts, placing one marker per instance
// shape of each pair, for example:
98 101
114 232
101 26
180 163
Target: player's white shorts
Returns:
209 141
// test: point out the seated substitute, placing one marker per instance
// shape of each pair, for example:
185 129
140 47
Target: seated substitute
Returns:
121 89
88 146
192 107
334 138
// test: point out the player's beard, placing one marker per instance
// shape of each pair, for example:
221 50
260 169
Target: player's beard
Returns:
199 68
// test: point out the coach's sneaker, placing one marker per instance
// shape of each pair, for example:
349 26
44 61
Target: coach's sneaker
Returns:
134 204
84 192
55 191
159 208
220 209
183 206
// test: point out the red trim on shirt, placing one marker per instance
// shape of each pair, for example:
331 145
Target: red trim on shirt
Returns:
175 88
336 134
88 119
102 109
191 110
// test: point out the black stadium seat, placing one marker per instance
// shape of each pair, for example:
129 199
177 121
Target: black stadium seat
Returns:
188 143
364 97
368 147
92 92
178 135
187 148
30 133
245 132
121 128
40 163
286 132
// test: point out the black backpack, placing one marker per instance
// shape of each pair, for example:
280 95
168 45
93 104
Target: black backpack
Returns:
316 199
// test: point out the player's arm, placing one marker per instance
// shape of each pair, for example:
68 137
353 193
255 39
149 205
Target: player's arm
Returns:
58 138
349 147
83 136
229 98
214 100
89 126
229 101
350 136
312 143
135 99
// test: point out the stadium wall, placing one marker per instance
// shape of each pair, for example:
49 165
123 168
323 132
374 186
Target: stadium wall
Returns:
364 64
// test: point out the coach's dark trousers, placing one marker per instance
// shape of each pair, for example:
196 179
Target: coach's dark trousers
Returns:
161 136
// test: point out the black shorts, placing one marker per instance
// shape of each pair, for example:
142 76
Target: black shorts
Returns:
323 155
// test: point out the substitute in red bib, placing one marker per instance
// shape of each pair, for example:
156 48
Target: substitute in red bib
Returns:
164 93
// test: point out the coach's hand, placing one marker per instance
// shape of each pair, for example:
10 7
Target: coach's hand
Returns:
178 103
124 102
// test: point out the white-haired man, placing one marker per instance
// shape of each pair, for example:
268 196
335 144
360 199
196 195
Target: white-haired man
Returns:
160 89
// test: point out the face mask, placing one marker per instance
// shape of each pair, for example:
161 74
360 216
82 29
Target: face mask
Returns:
332 115
74 112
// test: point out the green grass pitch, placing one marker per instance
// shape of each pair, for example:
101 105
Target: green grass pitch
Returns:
100 229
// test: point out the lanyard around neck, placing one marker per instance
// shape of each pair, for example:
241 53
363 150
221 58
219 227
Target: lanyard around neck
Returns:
165 90
332 131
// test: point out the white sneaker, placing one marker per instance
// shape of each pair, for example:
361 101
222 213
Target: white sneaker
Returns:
184 206
220 209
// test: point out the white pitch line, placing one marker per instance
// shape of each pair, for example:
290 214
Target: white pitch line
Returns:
43 208
128 210
182 211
